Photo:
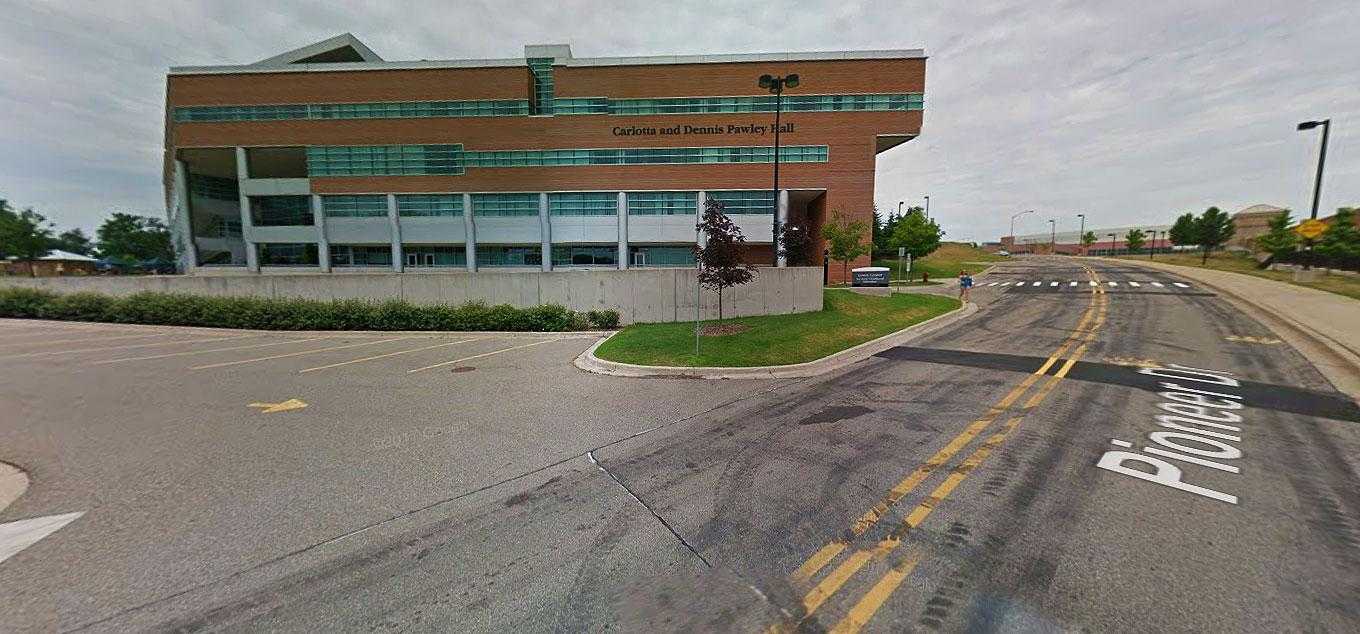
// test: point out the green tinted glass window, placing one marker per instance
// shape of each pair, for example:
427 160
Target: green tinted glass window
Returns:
662 203
661 256
286 254
361 255
745 202
366 206
583 204
504 205
276 211
489 255
384 160
430 204
434 255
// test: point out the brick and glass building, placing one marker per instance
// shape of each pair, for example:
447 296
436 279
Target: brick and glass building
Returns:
329 158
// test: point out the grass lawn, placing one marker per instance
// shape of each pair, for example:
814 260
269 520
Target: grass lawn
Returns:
846 319
1224 261
946 261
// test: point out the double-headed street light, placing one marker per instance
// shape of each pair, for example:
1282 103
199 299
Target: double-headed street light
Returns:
1322 157
776 86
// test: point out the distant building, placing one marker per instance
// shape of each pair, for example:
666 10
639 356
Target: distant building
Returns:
1069 242
54 264
1250 224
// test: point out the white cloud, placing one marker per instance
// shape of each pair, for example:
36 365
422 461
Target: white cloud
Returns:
1129 112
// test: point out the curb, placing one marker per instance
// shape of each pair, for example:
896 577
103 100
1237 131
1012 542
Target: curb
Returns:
590 363
1337 362
13 483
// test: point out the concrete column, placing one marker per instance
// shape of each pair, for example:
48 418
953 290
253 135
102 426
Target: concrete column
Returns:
247 229
469 234
783 223
698 217
184 223
545 231
394 223
623 231
323 245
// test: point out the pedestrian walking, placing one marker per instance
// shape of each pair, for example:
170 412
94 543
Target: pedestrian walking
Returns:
965 285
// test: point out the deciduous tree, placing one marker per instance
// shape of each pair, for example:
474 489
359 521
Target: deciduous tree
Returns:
845 239
1087 239
1135 239
73 241
23 234
1183 232
722 257
129 238
920 235
795 242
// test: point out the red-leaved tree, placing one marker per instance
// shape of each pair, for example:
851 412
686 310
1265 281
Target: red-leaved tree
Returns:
721 258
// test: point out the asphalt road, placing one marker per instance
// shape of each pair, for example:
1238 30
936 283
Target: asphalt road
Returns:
953 484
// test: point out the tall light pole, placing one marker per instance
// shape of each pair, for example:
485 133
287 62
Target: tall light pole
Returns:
1052 236
927 207
1322 157
776 86
1013 217
1152 249
1111 243
899 207
1081 233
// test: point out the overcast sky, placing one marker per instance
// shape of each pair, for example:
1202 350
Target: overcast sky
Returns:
1128 111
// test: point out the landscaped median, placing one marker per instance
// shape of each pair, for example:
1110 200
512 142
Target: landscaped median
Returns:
258 313
848 319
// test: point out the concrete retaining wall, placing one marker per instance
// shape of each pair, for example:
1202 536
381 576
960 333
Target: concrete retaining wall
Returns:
640 295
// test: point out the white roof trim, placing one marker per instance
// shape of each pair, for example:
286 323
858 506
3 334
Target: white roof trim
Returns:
59 255
809 56
324 46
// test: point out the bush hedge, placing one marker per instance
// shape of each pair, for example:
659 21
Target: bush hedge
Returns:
175 309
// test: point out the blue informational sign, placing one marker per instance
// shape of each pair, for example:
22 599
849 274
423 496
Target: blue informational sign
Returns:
869 276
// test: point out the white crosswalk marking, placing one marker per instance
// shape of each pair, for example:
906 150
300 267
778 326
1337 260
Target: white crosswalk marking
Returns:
1158 284
992 284
1052 283
1135 284
1072 283
1092 282
1037 283
1114 283
1181 285
1005 283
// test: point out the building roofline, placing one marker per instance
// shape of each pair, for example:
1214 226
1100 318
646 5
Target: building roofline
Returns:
272 66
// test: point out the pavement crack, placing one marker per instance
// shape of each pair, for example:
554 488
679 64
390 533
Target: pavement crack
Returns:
591 455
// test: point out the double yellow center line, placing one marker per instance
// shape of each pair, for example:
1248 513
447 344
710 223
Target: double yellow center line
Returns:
1081 336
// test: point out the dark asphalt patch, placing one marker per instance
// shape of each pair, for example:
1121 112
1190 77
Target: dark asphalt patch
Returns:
1281 398
835 413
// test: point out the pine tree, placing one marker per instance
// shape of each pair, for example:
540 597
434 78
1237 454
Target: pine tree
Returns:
1280 240
1213 229
1342 239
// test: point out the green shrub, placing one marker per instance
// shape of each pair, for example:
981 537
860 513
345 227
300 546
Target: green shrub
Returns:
24 302
258 313
604 319
78 307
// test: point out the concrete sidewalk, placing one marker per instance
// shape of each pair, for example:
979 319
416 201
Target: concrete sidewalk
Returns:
1324 326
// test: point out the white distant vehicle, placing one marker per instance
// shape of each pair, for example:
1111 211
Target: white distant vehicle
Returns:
1003 252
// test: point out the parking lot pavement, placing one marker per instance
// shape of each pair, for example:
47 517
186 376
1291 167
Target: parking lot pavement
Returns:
197 452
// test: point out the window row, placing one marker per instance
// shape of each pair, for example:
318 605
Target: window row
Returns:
214 187
375 160
544 102
379 110
489 256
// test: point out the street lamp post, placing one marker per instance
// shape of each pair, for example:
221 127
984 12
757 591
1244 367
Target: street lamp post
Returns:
927 207
1322 157
1013 217
1081 233
1152 249
1052 236
1111 243
899 207
776 86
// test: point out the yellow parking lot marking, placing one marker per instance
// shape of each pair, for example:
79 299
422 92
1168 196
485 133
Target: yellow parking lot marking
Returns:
478 356
211 350
288 405
390 354
87 339
296 354
138 345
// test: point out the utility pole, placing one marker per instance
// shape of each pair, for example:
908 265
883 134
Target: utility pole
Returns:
1081 233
